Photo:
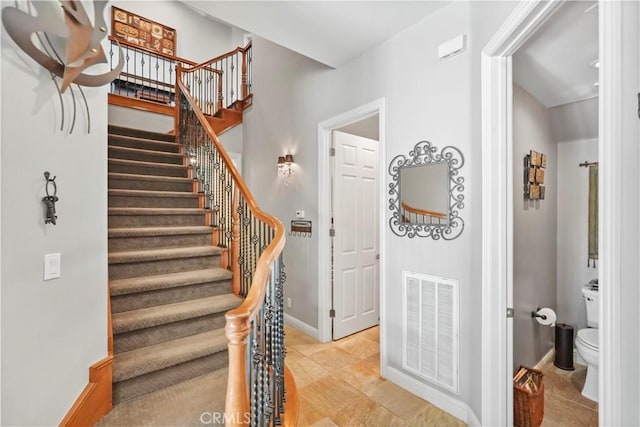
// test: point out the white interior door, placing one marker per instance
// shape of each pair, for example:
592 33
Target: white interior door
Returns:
355 245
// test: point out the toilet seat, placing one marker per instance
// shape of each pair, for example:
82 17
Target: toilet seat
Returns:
589 338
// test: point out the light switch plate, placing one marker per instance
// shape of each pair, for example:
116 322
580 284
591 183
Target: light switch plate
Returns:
52 266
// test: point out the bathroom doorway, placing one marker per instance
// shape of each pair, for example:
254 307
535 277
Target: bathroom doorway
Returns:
554 130
618 77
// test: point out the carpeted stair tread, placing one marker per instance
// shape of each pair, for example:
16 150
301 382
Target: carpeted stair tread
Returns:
151 193
160 156
138 177
139 133
180 404
137 142
165 281
155 211
155 357
168 313
123 257
158 231
140 163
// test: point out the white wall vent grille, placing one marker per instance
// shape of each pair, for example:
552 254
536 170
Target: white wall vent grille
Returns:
430 328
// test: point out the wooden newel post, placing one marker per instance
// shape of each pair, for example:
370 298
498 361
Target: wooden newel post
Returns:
237 403
176 116
245 89
235 242
219 106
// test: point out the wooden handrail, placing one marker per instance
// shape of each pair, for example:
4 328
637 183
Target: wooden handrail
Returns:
220 57
407 207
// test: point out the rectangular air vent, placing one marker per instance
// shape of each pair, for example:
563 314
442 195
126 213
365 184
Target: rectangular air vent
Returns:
430 328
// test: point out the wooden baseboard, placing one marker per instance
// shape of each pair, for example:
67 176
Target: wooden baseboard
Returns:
290 416
95 400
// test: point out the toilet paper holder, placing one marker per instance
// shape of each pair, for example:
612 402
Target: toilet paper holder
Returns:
535 314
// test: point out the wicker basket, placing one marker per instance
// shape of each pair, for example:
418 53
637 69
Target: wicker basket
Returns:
528 406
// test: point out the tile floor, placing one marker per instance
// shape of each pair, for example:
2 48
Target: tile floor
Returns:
339 384
564 404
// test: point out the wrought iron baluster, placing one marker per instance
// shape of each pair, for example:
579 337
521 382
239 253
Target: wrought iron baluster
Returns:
253 377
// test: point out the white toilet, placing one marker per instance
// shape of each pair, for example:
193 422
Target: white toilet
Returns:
587 342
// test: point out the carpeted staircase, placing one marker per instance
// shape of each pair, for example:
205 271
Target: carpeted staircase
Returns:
168 291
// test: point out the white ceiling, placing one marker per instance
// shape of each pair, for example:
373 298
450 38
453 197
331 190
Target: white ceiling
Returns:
331 32
553 65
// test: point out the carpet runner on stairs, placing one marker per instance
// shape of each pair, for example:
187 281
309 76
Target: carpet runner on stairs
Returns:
168 291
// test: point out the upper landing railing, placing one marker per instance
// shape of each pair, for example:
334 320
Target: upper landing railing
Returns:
221 82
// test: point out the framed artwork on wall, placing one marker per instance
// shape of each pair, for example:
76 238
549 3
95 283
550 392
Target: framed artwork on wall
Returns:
143 32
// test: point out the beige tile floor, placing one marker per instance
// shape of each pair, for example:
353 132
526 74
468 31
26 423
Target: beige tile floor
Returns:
564 404
339 384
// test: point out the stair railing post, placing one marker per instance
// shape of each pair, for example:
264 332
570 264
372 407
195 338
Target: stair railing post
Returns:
236 408
244 88
176 116
220 96
235 242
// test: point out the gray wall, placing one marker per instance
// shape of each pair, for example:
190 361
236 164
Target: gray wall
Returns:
279 123
534 232
573 193
426 98
575 121
51 331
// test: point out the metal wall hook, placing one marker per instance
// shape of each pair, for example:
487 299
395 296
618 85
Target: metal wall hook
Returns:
50 199
300 228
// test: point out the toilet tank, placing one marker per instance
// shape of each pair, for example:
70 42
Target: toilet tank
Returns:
593 307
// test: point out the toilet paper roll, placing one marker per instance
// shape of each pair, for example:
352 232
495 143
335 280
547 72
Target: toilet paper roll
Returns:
550 317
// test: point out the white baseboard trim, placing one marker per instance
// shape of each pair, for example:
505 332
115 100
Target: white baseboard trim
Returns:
437 398
301 326
546 358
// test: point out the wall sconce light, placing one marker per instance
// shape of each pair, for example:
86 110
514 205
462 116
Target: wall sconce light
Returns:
284 165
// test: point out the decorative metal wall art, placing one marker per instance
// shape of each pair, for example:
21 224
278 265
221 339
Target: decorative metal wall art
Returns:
426 192
50 199
534 167
68 44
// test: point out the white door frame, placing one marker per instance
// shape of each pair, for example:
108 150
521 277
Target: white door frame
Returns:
497 207
324 216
